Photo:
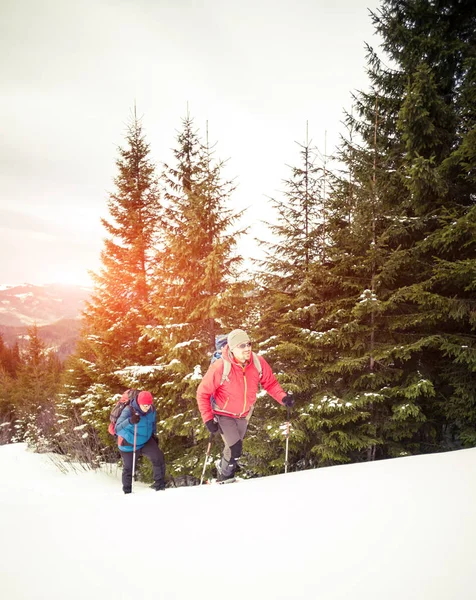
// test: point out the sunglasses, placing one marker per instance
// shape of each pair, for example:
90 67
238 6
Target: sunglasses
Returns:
244 345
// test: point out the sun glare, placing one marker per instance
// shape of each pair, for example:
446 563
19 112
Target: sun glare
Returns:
69 278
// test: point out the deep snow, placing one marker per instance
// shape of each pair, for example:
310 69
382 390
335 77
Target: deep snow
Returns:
397 529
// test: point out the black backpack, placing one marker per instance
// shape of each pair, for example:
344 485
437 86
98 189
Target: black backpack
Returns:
120 405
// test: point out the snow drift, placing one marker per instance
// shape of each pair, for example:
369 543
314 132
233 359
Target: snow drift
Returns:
397 529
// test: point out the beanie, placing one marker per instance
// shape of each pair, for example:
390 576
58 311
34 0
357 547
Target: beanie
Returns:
237 337
144 398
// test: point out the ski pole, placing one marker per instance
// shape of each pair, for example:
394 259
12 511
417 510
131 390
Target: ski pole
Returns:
134 455
206 457
287 441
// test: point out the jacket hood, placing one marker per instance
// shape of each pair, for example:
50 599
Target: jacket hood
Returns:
137 408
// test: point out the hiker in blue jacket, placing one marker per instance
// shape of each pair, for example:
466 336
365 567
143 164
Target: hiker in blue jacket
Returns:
139 418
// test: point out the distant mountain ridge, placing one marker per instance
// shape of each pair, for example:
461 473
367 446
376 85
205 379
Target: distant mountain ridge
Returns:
54 308
27 304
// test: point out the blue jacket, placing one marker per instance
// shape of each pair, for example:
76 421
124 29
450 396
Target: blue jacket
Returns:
145 427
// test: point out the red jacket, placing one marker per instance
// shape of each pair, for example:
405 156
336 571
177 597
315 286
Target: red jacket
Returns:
237 394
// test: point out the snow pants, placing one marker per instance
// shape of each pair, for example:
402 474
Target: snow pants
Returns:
233 432
156 456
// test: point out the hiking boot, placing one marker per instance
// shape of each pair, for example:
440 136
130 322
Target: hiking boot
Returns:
219 471
126 490
225 481
222 479
220 475
158 486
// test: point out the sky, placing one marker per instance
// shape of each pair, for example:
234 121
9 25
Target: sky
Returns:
72 72
395 529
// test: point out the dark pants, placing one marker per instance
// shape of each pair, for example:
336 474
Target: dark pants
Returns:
156 456
233 432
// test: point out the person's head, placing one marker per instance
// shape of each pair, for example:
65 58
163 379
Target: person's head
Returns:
240 345
144 400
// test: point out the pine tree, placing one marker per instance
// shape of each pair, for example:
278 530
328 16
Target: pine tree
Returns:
9 357
33 393
427 306
6 385
118 308
290 305
114 320
399 341
9 364
198 268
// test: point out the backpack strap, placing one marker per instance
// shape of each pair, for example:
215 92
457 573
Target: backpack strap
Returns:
226 371
133 395
227 368
257 363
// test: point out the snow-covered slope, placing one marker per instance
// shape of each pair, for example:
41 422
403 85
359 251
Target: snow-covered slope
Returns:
400 529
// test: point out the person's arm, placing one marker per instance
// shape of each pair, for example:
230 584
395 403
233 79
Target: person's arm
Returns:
207 387
270 383
123 420
154 424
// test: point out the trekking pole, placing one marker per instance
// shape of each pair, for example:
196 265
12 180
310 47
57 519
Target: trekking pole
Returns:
287 441
206 457
134 455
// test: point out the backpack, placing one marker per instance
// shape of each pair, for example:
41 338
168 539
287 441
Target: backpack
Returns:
220 343
126 398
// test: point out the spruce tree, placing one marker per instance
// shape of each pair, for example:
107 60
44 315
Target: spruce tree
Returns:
389 349
118 308
200 297
34 391
414 205
114 319
290 304
427 278
6 385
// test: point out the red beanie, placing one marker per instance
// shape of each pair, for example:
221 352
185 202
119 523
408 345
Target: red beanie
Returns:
145 398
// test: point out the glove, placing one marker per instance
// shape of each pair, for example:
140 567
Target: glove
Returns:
134 418
212 426
288 400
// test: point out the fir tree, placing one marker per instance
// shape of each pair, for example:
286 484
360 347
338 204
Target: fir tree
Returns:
395 344
290 303
112 335
389 347
118 308
9 357
6 387
197 268
427 307
34 391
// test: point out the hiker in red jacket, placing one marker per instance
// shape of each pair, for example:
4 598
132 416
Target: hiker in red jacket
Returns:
235 396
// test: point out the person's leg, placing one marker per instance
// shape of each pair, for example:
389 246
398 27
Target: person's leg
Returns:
154 453
126 472
233 432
